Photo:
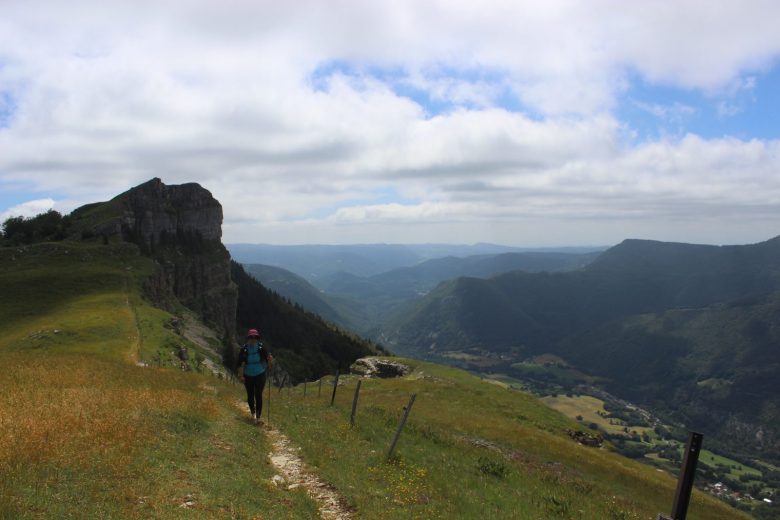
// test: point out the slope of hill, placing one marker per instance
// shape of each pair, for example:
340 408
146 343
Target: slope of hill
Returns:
714 368
180 228
589 318
85 432
344 313
101 416
380 296
303 343
471 449
106 438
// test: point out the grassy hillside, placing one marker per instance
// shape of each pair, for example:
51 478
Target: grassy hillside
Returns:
689 330
84 431
471 449
87 433
720 364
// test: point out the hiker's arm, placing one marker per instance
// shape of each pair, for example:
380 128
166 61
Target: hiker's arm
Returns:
269 359
240 363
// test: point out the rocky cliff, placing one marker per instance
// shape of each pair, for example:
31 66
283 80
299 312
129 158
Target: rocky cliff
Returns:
154 211
180 226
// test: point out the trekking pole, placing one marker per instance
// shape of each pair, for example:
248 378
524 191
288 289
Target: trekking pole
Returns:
268 407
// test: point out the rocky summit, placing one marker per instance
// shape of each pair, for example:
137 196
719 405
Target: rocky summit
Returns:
180 226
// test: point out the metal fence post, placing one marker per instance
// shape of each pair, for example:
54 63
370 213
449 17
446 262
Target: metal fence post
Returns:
354 403
407 409
682 496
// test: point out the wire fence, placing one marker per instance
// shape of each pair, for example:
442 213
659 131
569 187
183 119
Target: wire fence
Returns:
280 380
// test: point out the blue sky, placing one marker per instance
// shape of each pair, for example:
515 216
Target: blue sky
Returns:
525 123
746 112
748 109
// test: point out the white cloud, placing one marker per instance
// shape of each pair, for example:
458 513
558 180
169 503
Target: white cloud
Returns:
27 209
110 94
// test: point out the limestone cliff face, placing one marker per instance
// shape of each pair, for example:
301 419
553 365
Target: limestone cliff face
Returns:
180 226
154 212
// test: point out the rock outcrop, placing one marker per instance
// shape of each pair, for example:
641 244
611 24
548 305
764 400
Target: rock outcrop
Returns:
180 226
586 439
154 212
377 367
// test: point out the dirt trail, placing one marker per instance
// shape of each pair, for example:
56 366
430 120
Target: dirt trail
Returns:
293 474
294 471
135 352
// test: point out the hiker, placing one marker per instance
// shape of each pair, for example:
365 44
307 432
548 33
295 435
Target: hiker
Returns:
257 362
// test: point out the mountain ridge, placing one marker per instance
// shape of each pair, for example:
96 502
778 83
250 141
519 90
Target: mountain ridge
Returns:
581 315
180 228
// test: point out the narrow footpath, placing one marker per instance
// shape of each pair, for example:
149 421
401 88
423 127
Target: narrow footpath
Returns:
295 474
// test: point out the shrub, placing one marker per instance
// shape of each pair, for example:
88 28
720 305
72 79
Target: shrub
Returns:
492 467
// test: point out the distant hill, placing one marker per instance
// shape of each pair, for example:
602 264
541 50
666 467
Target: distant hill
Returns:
631 278
314 262
716 368
295 288
380 296
589 318
307 346
414 281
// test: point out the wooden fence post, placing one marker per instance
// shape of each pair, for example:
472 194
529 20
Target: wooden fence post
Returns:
335 385
407 409
354 403
281 385
682 496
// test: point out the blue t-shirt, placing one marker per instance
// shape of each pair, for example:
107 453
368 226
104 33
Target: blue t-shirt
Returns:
255 364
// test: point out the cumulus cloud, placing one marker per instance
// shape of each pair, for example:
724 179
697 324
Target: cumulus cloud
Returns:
27 209
300 116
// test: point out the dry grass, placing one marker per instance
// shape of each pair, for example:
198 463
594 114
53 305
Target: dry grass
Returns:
66 407
588 407
84 432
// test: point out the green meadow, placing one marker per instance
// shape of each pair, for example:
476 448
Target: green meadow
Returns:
471 449
87 433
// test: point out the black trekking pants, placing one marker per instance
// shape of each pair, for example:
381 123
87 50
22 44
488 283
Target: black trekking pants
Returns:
254 393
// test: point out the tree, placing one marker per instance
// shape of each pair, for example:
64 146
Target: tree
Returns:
50 225
16 230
